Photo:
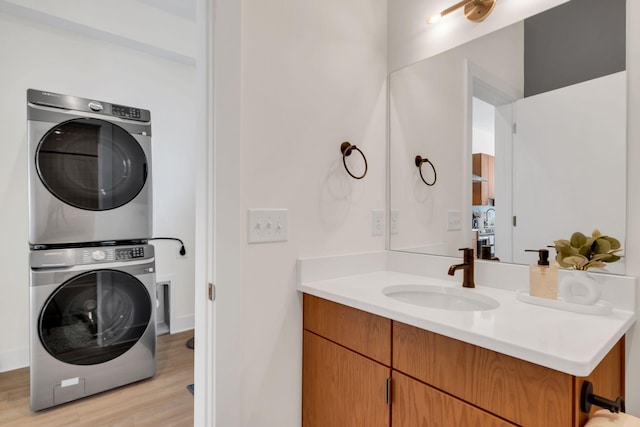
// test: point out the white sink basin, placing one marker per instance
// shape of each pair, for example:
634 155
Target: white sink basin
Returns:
441 297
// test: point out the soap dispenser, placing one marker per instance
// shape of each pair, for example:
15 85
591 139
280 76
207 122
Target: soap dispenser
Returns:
543 278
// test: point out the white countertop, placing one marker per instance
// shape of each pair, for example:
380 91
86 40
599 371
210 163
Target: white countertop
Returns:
568 342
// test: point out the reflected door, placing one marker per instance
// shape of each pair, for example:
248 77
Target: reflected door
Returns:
564 141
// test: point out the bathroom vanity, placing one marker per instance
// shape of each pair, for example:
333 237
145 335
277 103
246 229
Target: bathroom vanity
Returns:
369 359
349 356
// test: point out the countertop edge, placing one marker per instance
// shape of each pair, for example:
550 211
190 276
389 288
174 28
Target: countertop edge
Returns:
579 368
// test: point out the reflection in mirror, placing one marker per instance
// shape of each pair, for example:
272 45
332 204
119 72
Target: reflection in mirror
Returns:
528 128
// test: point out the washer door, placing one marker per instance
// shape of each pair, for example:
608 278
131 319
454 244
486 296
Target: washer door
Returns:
91 164
95 317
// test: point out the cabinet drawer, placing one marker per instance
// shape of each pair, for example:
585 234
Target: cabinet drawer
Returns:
363 332
519 391
417 404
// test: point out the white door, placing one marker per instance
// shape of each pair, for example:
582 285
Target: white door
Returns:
559 186
204 374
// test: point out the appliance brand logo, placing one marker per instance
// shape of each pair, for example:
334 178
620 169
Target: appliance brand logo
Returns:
51 94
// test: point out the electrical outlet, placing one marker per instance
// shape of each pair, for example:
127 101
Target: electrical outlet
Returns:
454 220
394 224
377 222
268 225
186 252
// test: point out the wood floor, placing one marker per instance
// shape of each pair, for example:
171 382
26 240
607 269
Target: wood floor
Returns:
160 401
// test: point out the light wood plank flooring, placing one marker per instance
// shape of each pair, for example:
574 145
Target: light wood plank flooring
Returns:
160 401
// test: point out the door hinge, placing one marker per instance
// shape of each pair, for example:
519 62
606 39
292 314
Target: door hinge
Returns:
388 392
514 221
515 127
212 291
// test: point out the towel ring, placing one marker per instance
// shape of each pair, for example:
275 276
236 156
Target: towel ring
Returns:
346 148
419 162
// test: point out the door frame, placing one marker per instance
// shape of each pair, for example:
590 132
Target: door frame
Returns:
484 85
219 219
204 376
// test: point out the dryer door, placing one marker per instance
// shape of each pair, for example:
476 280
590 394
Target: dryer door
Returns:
91 164
95 317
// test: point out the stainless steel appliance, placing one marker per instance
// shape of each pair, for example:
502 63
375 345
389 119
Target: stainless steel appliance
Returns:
89 171
486 239
92 321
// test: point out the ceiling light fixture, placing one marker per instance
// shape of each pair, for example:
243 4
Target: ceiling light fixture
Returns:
474 10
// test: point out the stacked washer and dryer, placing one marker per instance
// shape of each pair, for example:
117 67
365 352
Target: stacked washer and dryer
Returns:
92 282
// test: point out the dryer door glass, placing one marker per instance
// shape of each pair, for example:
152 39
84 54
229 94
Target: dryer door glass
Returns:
91 164
95 317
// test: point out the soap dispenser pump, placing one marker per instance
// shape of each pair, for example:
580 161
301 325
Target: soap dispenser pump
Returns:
543 278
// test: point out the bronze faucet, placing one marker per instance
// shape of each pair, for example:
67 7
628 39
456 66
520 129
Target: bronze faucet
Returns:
467 266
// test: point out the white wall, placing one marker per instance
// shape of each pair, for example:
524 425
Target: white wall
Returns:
633 196
483 128
48 58
132 23
312 76
410 40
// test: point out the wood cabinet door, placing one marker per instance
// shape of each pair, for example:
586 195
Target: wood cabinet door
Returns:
491 176
341 388
483 165
480 194
417 404
521 392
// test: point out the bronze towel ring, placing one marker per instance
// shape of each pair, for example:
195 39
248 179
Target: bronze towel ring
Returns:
346 148
419 162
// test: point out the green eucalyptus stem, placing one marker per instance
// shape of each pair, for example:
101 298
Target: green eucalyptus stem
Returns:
582 252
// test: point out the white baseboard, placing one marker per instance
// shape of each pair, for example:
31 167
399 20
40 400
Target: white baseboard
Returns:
181 324
14 359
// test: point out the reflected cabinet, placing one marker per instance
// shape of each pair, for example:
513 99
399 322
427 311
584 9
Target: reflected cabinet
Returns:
484 187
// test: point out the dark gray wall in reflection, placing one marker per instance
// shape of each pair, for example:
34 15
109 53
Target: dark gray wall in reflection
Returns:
574 42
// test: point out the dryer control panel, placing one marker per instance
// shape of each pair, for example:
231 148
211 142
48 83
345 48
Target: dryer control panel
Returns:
75 103
127 112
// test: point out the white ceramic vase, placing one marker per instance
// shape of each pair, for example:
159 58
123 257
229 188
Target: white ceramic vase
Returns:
579 287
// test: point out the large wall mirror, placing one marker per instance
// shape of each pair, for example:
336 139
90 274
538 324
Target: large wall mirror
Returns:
526 130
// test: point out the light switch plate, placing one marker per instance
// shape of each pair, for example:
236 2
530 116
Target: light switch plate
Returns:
268 225
454 220
394 224
377 222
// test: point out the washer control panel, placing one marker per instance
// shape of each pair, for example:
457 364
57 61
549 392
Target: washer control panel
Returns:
98 255
129 253
93 255
69 257
102 254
